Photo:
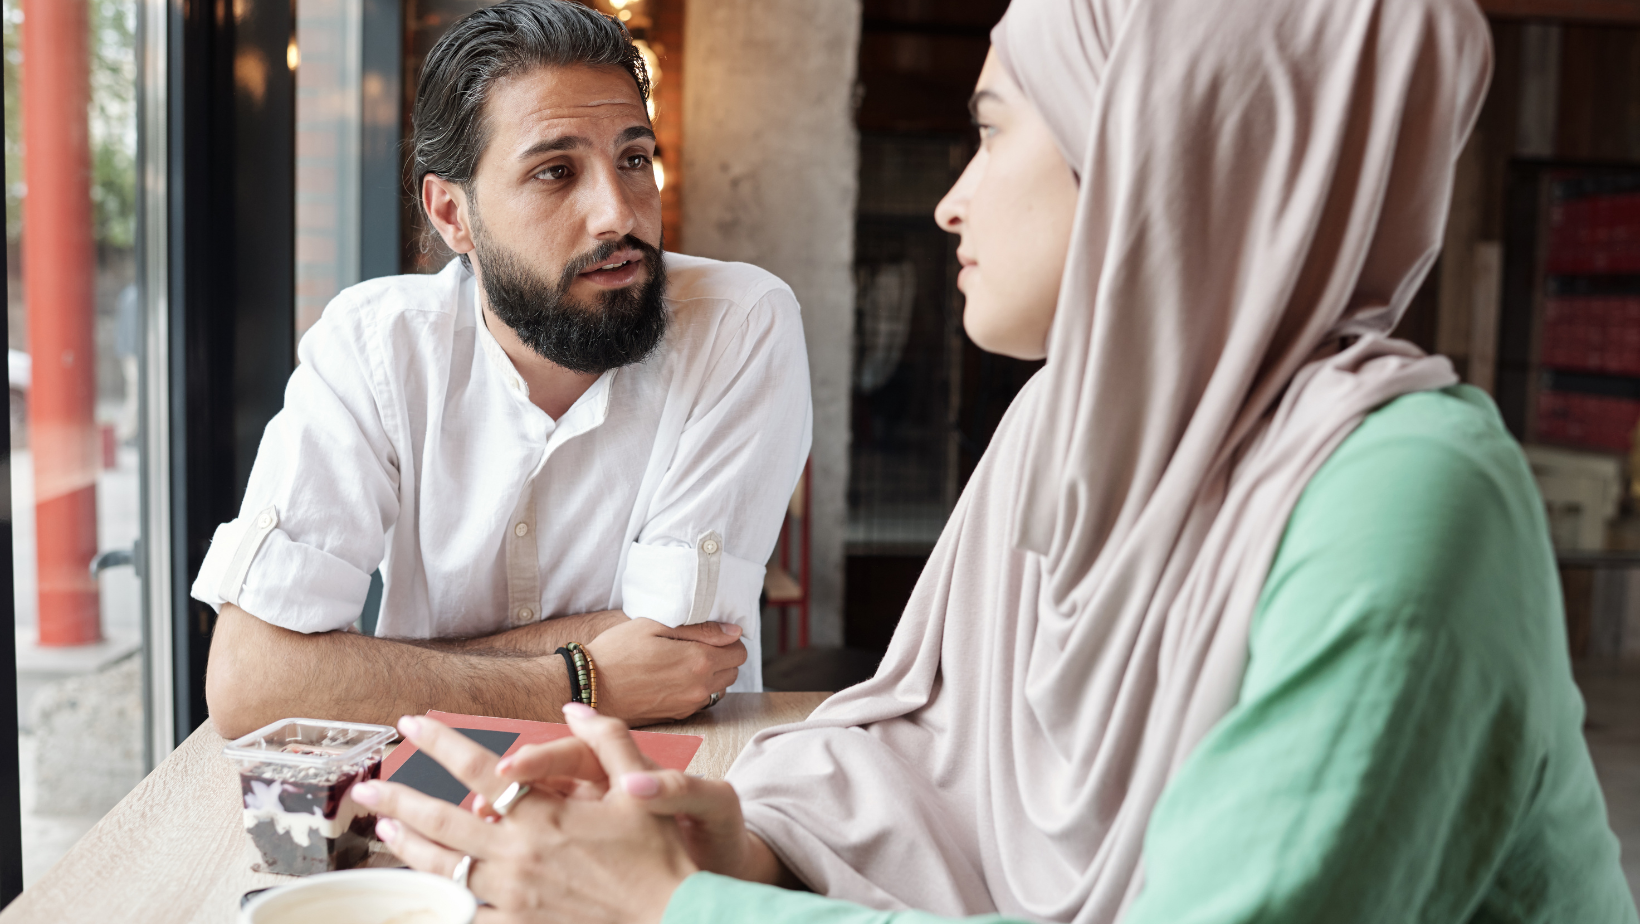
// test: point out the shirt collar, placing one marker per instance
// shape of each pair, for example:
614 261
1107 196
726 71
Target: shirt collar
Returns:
587 412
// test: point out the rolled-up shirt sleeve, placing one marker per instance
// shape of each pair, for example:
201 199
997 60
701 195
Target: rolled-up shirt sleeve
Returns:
716 516
322 495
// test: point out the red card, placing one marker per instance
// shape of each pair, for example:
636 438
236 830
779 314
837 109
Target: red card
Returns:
671 751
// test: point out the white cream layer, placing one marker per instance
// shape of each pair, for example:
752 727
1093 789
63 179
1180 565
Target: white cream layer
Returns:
301 828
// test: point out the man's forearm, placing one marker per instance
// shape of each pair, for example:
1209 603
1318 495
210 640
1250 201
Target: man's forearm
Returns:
537 639
259 673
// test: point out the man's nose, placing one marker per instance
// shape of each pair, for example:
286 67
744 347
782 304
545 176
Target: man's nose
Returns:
611 213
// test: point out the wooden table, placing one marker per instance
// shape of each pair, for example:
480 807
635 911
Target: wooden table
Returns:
174 850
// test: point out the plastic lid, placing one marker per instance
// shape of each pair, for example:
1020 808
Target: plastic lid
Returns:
310 743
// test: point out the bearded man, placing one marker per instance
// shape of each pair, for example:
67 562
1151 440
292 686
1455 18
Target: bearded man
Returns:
564 436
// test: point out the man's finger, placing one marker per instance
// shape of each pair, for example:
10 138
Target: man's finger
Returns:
723 680
608 738
432 818
716 634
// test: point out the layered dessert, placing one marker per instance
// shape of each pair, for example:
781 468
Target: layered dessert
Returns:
296 778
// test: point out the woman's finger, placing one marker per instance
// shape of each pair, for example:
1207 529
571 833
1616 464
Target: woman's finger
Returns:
483 878
566 757
416 851
432 818
609 738
670 792
466 759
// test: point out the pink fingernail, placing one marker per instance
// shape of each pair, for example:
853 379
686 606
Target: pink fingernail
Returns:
409 725
478 804
642 785
578 710
505 766
387 829
367 794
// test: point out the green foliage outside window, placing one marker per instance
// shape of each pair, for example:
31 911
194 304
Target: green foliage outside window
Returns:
112 118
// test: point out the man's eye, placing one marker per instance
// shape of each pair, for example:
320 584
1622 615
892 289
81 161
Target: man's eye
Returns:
637 161
555 172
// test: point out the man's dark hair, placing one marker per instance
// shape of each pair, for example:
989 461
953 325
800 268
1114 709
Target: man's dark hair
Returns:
448 130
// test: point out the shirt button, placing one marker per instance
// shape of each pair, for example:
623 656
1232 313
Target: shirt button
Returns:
710 547
525 614
264 521
521 530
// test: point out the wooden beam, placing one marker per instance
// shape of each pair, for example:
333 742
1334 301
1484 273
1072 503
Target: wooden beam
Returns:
1624 12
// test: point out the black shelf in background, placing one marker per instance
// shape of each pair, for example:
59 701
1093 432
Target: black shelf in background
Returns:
1564 284
1592 383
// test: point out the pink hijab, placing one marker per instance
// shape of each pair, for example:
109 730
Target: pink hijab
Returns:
1262 188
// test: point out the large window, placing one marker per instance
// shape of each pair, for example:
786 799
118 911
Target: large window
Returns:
75 326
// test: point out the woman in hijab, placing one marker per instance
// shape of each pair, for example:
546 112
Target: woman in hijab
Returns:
1248 613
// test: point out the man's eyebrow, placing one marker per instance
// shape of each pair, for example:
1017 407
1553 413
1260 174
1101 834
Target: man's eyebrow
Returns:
979 97
572 142
551 145
634 133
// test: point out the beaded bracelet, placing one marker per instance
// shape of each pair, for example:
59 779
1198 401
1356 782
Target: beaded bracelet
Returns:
581 673
590 684
574 680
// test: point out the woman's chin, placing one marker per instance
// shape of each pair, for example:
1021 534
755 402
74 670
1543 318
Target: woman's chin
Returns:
994 335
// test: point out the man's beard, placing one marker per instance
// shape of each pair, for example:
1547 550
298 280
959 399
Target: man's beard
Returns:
623 326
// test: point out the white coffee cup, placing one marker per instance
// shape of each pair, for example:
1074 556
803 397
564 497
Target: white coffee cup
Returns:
364 896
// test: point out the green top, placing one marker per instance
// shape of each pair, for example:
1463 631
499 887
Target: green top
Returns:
1407 745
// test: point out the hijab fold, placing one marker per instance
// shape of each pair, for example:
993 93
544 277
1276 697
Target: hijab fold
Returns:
1262 187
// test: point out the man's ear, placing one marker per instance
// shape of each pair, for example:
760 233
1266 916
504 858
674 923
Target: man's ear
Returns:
446 206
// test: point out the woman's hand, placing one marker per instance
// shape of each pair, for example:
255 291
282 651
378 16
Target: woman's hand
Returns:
602 756
551 859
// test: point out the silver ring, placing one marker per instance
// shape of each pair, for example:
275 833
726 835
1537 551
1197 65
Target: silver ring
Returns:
509 797
463 869
716 698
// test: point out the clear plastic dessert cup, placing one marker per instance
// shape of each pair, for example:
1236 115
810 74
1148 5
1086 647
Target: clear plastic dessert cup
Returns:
296 777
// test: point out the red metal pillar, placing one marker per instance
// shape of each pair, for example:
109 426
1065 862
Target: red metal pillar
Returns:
59 278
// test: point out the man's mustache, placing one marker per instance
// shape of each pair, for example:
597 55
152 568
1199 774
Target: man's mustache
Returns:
600 255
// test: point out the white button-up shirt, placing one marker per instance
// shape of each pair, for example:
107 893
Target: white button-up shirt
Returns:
408 442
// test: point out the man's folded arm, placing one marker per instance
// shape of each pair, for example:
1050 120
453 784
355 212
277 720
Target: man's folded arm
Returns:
259 672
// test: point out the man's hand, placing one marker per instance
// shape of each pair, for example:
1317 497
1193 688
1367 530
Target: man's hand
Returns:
648 672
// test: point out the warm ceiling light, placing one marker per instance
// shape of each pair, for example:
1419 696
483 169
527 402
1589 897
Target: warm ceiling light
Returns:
651 107
293 56
625 15
619 4
660 174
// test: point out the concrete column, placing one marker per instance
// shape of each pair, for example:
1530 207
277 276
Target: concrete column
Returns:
771 162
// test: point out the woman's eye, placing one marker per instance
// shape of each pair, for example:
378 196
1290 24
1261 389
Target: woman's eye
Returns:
555 172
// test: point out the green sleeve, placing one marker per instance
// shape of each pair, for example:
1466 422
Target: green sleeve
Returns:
705 898
1406 711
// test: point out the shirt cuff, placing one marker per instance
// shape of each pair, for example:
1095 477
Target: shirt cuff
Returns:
258 567
679 585
683 585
